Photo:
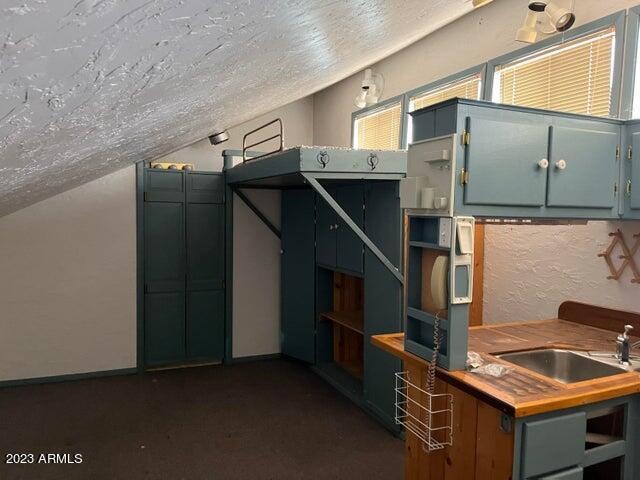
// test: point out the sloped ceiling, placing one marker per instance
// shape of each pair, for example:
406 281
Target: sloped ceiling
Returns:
90 86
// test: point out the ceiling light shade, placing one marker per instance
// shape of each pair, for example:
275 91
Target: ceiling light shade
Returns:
371 89
561 18
527 32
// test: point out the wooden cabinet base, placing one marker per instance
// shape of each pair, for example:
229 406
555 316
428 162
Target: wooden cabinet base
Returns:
481 449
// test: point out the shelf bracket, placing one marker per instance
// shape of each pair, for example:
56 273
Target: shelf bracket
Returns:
257 211
353 226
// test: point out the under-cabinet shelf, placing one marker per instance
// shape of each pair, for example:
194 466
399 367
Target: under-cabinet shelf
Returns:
353 367
434 246
353 320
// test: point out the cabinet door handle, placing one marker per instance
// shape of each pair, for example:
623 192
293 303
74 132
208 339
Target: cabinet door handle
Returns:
628 189
544 163
561 164
330 227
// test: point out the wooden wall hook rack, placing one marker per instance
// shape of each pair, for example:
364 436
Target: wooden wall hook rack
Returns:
627 257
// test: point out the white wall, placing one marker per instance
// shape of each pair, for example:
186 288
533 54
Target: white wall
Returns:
529 271
68 282
256 250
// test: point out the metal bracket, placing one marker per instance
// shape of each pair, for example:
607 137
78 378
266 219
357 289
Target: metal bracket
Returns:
258 213
505 423
353 226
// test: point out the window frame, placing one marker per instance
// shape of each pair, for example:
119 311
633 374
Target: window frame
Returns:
455 77
618 20
631 44
363 112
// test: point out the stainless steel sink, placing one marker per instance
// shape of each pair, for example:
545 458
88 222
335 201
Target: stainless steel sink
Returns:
562 365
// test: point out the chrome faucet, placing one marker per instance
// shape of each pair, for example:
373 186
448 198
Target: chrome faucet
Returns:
624 346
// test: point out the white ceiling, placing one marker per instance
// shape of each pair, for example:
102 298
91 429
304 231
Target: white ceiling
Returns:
90 86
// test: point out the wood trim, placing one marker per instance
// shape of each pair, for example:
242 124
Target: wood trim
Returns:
476 308
599 317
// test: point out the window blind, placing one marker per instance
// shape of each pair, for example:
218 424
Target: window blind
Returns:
468 87
379 130
575 77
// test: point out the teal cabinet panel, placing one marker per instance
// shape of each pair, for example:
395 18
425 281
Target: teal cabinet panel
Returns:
553 444
205 246
163 185
571 474
349 248
298 275
205 324
502 160
382 295
164 246
632 190
164 315
205 187
326 225
583 169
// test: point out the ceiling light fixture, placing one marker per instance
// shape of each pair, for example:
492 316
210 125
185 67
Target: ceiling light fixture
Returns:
371 89
219 137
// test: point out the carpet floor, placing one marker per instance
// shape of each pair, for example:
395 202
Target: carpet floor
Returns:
272 419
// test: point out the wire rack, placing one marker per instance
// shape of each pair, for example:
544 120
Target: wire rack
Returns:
426 415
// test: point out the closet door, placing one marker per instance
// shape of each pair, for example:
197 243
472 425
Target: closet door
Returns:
205 266
164 288
298 275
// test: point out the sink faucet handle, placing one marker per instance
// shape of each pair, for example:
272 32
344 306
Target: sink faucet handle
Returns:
627 329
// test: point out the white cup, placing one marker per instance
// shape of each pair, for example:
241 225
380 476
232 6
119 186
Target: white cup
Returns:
427 196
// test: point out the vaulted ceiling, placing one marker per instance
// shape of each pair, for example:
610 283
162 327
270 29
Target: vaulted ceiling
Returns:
90 86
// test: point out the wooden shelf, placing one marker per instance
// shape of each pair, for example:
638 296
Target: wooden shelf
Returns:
353 320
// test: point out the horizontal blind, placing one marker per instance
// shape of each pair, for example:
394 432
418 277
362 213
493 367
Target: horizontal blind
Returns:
575 77
379 130
468 87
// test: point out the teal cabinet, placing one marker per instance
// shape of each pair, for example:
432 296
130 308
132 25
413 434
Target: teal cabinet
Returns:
631 172
510 174
519 162
326 225
298 328
349 248
184 267
337 246
584 168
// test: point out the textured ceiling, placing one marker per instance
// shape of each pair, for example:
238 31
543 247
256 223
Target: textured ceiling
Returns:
90 86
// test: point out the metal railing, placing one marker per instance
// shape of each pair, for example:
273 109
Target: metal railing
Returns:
279 135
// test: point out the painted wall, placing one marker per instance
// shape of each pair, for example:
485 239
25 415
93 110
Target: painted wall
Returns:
256 250
68 282
546 270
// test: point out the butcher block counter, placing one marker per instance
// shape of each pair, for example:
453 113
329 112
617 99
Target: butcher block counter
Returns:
498 418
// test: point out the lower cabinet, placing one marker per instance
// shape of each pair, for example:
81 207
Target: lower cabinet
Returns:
598 441
335 295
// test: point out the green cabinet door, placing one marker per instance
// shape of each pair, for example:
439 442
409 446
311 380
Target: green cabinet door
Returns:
326 226
164 285
349 248
184 267
205 266
632 184
382 295
583 169
298 275
503 159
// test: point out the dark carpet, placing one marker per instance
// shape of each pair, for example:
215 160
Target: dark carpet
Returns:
265 420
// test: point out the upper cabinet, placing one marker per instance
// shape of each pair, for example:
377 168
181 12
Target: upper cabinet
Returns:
631 172
525 163
337 246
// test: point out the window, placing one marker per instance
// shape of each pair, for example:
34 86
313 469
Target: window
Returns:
468 87
575 77
379 129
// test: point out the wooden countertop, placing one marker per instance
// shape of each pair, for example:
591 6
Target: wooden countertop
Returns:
521 392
